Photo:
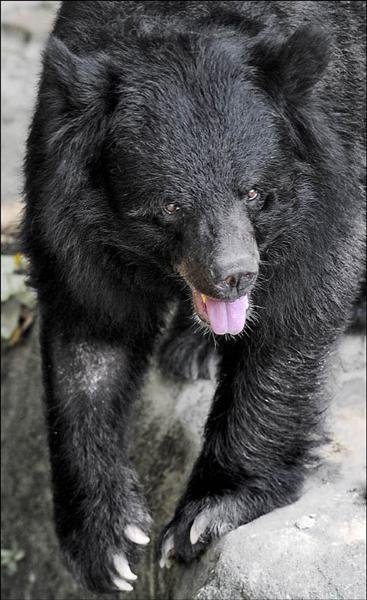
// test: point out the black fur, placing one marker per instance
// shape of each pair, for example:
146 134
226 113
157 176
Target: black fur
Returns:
142 104
185 352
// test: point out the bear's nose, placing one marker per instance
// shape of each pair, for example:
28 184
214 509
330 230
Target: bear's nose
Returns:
233 281
240 280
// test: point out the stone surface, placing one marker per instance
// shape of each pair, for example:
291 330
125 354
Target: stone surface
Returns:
24 27
314 548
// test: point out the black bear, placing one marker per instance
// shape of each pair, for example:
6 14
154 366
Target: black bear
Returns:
208 154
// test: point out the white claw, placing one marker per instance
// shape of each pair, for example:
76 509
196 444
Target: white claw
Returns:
168 546
165 563
123 568
136 535
122 585
198 527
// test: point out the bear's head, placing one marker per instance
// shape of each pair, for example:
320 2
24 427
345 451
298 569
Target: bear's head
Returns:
189 136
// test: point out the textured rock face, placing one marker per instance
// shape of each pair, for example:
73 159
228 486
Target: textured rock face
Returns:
24 27
314 548
289 554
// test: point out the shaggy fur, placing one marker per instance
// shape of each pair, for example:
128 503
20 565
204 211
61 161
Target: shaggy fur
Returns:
142 104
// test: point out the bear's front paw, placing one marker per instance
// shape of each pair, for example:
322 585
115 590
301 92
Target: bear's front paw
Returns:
100 566
195 525
101 541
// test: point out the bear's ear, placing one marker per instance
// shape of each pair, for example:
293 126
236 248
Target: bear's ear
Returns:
291 68
85 83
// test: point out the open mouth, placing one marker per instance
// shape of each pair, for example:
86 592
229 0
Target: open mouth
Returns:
222 316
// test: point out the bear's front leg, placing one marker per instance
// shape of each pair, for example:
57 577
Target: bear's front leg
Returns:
258 436
100 514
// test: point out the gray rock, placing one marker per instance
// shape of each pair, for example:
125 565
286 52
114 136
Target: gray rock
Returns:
24 27
305 522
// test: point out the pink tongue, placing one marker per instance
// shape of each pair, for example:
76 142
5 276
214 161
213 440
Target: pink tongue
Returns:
227 317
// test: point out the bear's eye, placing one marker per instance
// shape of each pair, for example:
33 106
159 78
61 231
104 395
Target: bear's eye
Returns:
171 208
253 195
